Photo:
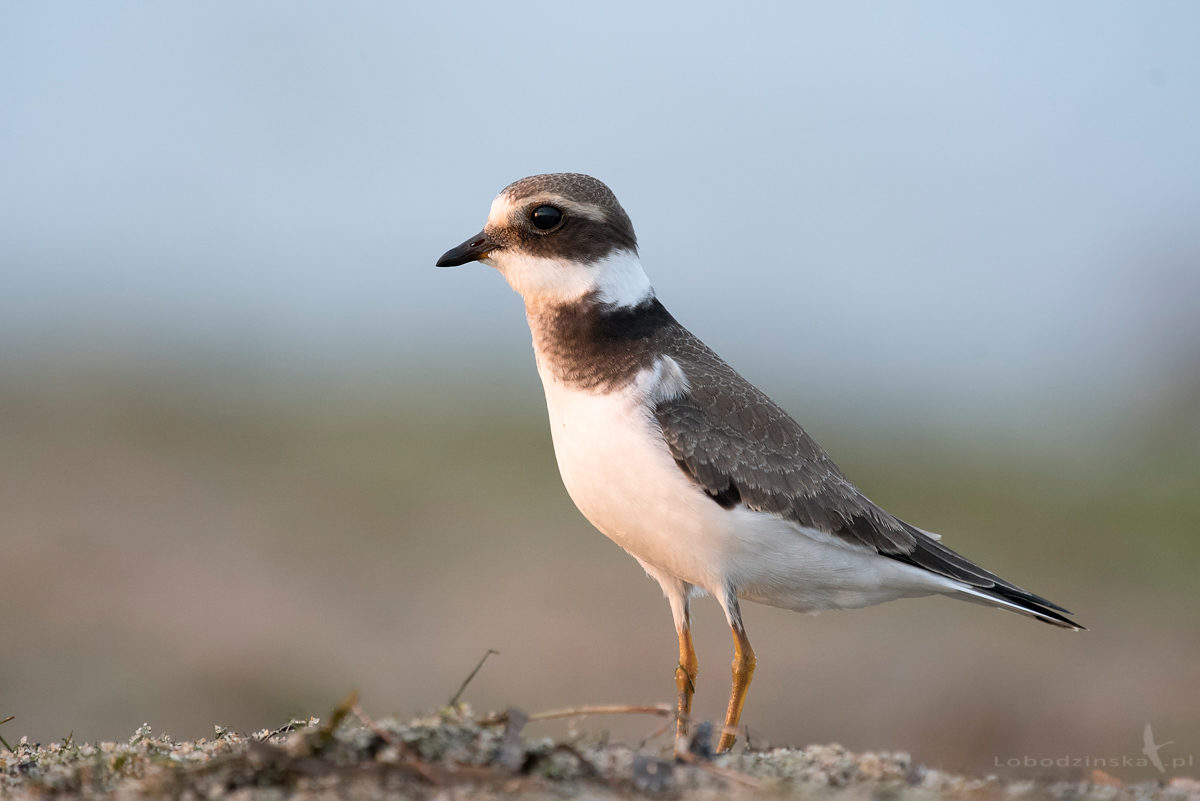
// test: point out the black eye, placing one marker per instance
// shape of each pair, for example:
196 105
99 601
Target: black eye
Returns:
545 217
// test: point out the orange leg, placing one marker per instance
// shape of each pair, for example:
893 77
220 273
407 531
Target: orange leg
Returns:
743 670
685 681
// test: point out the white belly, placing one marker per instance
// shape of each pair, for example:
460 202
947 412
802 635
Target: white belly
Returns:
620 473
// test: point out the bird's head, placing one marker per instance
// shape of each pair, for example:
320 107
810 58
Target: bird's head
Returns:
558 238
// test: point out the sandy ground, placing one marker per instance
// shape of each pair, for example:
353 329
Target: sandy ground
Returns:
458 755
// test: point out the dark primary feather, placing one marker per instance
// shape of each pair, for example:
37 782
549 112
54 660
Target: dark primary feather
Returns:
741 447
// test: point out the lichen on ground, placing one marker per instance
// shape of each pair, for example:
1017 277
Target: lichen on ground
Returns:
455 754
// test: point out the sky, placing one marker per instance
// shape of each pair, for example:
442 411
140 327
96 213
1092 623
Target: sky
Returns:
939 203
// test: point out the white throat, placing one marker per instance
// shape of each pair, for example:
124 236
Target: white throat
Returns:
617 280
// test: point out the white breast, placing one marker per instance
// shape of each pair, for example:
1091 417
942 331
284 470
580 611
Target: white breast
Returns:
620 473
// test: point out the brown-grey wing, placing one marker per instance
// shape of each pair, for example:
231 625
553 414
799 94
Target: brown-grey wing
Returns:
740 447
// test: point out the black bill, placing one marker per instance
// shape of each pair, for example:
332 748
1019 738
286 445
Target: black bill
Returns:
473 249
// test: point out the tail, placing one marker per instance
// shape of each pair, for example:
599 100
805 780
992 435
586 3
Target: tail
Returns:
979 585
1021 602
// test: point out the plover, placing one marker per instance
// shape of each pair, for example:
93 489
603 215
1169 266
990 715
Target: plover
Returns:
686 465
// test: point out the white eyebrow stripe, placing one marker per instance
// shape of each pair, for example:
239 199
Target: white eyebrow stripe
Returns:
504 205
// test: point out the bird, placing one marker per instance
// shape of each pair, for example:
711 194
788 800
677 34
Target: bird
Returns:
709 484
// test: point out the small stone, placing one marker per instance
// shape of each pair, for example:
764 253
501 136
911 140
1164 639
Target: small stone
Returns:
652 775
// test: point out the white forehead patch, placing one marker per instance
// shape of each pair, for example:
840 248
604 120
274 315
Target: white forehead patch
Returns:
501 208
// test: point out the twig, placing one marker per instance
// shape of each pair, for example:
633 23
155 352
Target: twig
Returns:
467 680
286 728
2 740
662 710
654 735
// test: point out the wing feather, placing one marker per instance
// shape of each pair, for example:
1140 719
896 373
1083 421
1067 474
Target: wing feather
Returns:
740 447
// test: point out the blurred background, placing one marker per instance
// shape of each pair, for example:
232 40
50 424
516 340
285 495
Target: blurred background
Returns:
255 450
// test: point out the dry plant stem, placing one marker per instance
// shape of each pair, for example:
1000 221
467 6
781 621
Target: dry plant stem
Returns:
654 735
661 710
602 709
2 740
471 675
743 671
